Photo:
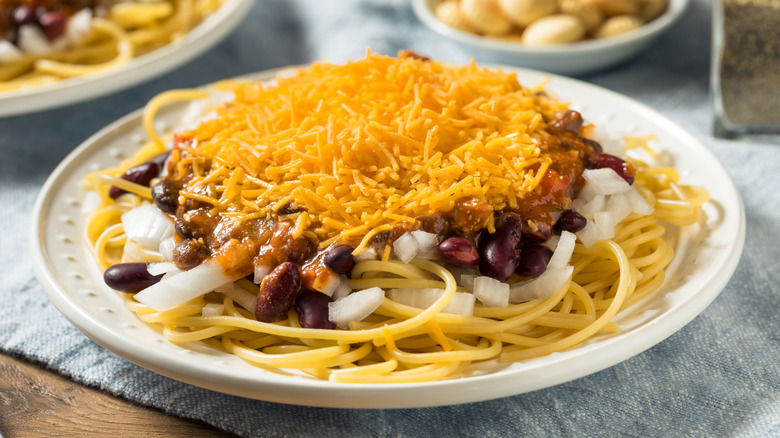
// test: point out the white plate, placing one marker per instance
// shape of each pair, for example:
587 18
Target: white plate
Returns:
568 59
209 32
705 260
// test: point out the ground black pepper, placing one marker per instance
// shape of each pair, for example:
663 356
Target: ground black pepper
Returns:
747 66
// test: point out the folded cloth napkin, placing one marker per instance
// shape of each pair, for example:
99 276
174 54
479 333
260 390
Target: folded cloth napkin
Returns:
719 375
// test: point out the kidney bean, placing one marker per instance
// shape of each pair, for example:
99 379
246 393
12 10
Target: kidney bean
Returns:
459 251
499 252
621 167
312 308
533 260
596 146
537 231
570 221
498 259
52 24
277 292
129 277
141 174
570 121
160 159
189 253
165 195
182 229
510 228
339 259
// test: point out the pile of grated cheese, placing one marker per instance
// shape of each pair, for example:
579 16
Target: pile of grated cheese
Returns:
363 146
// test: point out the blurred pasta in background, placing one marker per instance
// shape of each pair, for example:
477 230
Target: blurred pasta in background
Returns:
45 41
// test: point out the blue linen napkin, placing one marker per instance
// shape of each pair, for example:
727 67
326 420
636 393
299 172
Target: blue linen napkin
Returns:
718 376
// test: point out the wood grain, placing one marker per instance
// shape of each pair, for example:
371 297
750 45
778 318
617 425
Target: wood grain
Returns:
35 402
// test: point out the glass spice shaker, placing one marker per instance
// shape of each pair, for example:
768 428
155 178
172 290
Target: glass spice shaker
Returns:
745 67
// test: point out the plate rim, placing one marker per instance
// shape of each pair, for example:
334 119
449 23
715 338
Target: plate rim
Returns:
299 392
208 33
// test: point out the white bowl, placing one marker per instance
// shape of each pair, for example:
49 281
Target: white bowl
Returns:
568 59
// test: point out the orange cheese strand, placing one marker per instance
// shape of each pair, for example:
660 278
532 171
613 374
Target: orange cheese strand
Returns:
371 143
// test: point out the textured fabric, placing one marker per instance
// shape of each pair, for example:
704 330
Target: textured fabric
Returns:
718 376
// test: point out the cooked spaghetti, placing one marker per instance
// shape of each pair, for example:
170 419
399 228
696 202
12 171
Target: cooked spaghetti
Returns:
45 41
385 220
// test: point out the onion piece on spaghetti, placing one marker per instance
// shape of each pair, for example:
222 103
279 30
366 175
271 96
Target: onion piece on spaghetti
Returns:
355 306
462 303
491 292
184 287
147 225
541 287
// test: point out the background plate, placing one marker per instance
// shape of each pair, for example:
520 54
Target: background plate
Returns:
208 33
705 260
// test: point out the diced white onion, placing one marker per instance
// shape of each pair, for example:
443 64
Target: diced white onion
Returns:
406 247
226 288
242 297
611 143
212 309
343 288
9 53
168 275
260 272
584 197
541 287
605 181
590 208
161 268
427 244
638 202
184 287
332 283
563 251
355 306
462 303
239 295
369 253
491 292
167 246
619 206
132 252
32 40
605 223
79 25
589 235
147 225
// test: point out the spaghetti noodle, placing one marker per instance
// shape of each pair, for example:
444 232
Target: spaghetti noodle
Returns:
347 182
45 41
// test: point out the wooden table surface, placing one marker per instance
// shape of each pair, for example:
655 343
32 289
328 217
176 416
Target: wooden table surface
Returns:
35 402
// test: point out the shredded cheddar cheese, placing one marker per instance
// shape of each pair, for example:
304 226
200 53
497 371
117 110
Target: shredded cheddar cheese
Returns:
364 146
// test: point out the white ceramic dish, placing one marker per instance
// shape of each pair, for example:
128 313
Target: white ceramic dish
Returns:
704 263
568 59
208 33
